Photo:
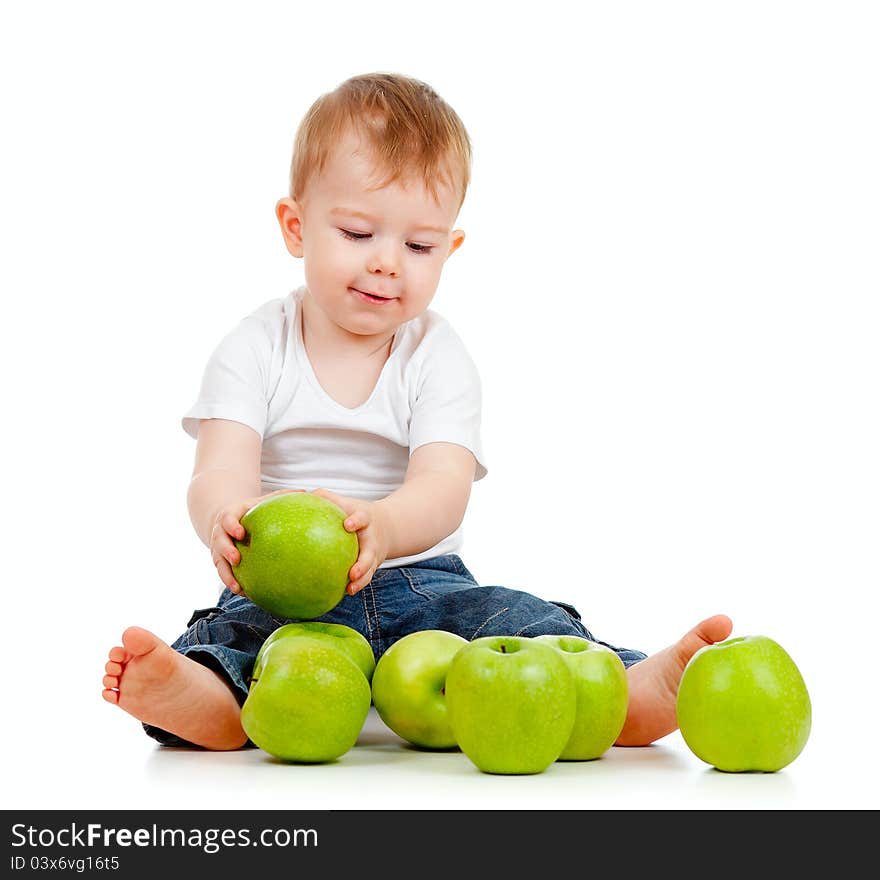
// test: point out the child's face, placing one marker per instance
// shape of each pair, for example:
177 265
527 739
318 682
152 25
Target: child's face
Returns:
356 240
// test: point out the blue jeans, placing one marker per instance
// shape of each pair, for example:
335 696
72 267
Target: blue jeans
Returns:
438 593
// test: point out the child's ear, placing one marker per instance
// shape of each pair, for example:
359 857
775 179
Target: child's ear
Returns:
455 244
289 214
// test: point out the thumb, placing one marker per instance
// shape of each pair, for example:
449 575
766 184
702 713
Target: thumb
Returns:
250 503
340 501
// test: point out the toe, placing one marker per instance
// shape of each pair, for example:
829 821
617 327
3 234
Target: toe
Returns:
118 654
110 681
715 629
711 630
139 641
112 668
110 696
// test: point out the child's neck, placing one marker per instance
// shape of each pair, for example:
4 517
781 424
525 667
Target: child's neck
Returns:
346 365
322 337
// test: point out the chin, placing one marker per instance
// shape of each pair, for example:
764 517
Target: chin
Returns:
369 327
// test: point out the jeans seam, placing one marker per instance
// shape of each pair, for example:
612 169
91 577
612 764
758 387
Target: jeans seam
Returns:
367 611
490 617
200 631
414 585
375 610
520 631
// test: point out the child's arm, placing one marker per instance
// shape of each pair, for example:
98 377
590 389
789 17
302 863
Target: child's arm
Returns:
226 469
225 484
429 506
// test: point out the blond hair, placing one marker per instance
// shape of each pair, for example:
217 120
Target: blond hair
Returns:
408 126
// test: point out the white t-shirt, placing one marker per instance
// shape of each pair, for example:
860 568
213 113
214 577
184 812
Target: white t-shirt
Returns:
428 391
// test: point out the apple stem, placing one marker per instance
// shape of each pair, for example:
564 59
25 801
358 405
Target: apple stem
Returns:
503 648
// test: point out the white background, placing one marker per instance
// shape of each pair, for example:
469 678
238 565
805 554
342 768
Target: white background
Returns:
669 284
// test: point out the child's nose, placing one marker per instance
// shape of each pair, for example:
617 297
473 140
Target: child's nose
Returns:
384 262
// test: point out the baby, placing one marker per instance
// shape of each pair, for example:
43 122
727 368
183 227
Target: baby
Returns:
352 388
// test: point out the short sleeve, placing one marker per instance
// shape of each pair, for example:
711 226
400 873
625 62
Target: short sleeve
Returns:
236 380
448 399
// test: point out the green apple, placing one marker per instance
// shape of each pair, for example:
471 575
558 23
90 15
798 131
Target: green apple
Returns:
602 695
512 703
296 555
409 687
743 705
337 635
309 702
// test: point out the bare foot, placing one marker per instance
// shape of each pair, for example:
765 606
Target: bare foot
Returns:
159 686
653 683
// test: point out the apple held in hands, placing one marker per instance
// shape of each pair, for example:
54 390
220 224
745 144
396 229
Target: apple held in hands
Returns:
409 687
309 702
743 705
512 703
602 693
336 635
296 555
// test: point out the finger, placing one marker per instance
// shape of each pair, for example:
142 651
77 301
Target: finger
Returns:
225 572
361 582
338 500
229 523
364 562
249 504
361 573
223 547
358 520
237 511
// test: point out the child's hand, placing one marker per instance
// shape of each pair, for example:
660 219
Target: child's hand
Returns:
227 526
369 521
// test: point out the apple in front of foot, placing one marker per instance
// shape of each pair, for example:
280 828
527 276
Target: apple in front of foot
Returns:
296 555
337 635
512 703
309 702
743 705
600 680
409 687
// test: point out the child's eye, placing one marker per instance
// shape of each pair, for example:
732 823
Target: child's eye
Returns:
360 236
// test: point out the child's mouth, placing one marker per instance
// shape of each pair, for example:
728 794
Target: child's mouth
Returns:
371 297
